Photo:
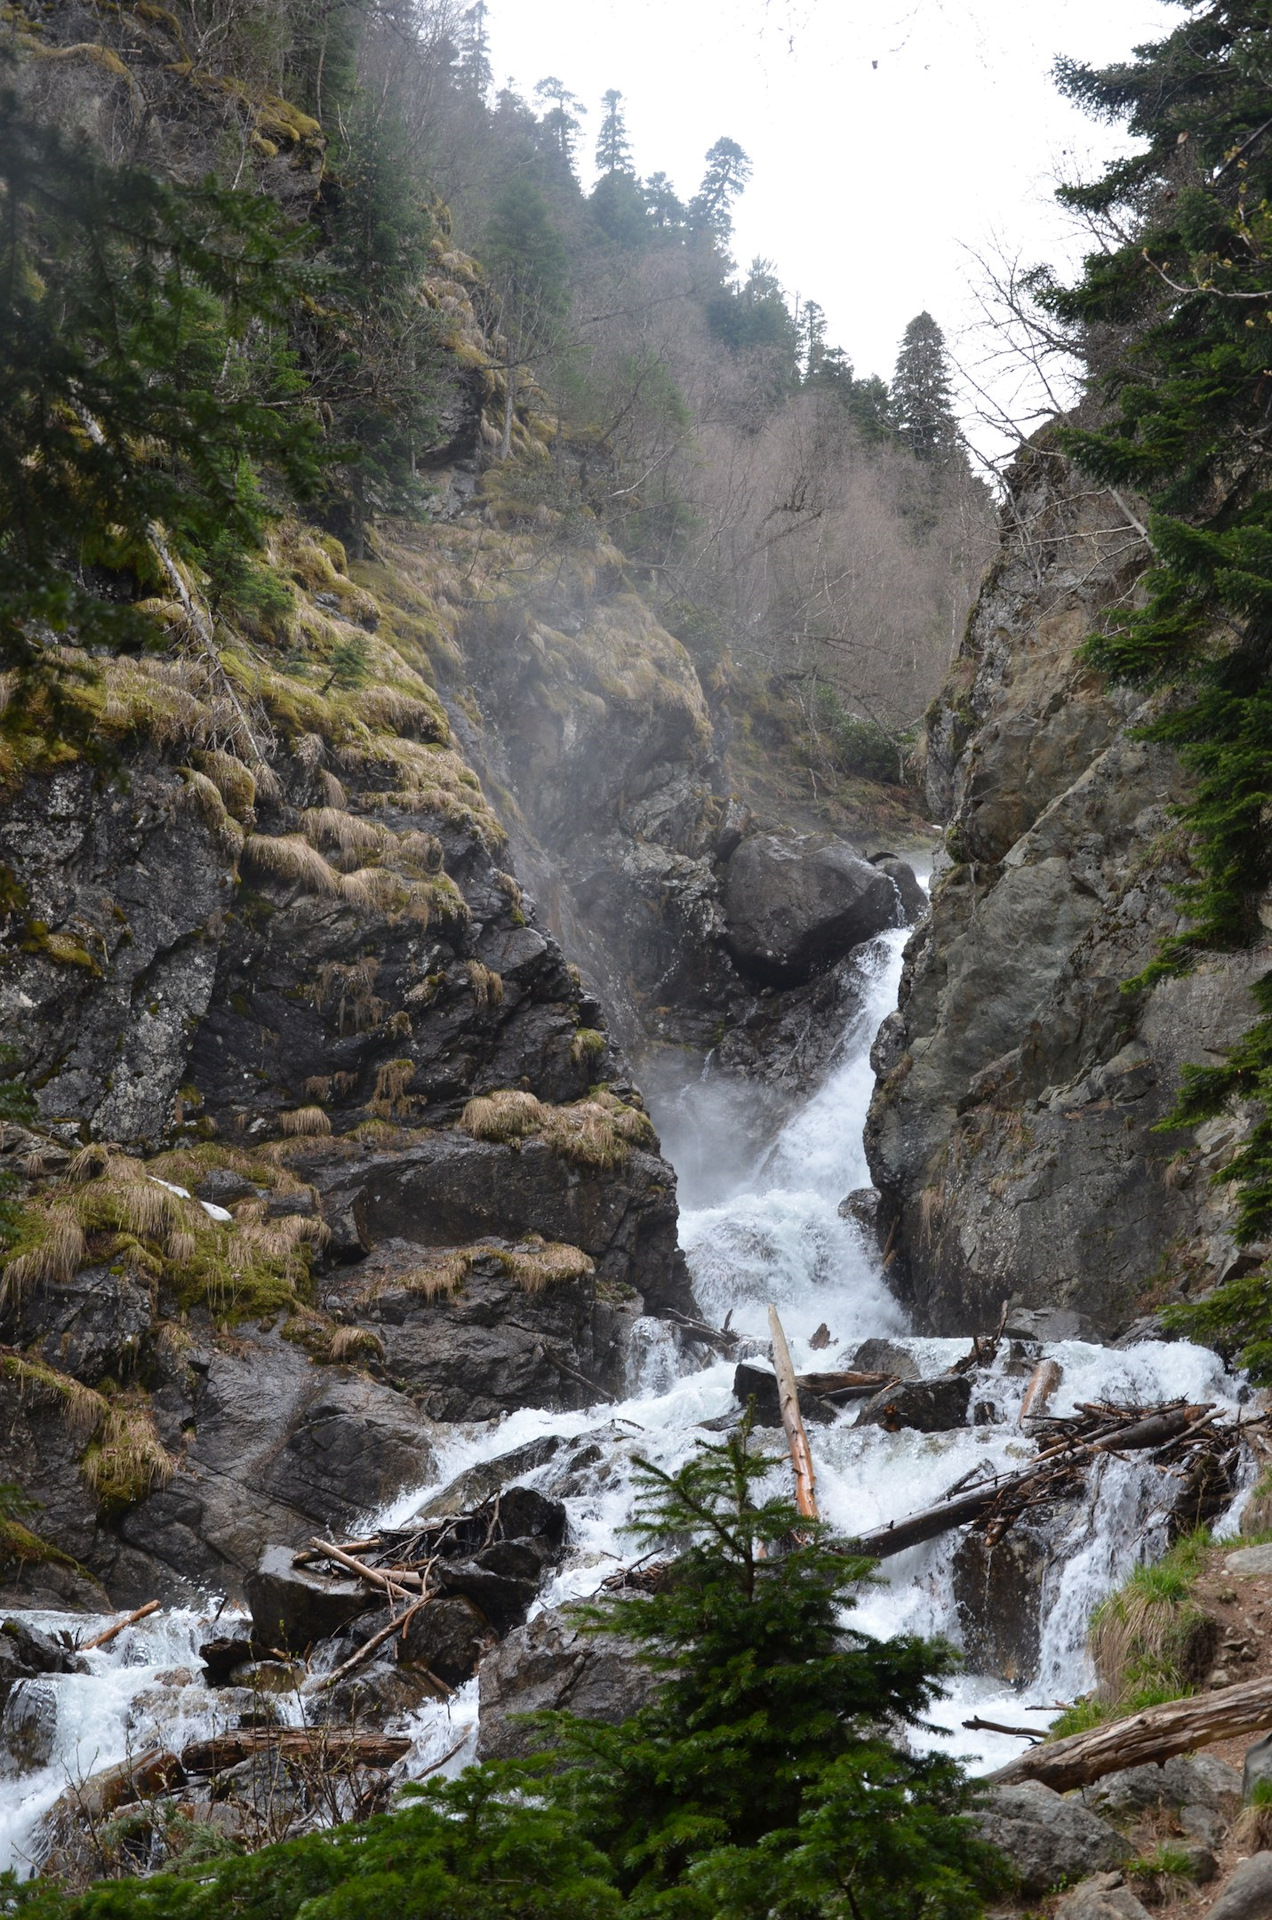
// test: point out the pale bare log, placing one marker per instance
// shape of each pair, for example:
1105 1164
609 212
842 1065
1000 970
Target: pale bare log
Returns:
796 1438
129 1620
1156 1734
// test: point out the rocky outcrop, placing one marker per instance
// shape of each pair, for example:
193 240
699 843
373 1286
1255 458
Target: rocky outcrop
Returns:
1012 1134
1048 1838
792 906
553 1664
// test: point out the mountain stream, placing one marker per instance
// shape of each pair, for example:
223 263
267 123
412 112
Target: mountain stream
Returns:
770 1231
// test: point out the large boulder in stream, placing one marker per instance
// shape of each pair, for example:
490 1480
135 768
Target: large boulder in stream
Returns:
793 905
926 1406
551 1663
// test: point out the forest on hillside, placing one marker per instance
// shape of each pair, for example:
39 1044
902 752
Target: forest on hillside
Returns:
813 537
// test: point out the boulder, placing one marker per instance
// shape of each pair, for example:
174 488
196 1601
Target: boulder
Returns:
448 1637
1257 1766
1104 1896
793 906
926 1406
1247 1895
1249 1563
1049 1838
294 1608
28 1725
884 1356
26 1652
1186 1780
914 900
549 1664
861 1205
760 1384
998 1590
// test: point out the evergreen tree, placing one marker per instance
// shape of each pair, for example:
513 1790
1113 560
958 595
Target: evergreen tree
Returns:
766 1777
922 399
727 172
1183 286
144 372
613 151
666 211
475 71
562 118
812 339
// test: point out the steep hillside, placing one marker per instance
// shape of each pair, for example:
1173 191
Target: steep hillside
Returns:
1013 1128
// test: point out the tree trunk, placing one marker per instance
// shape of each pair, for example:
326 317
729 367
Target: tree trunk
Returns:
1157 1734
796 1438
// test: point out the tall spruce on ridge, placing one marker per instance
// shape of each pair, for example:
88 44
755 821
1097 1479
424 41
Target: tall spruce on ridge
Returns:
922 397
1185 296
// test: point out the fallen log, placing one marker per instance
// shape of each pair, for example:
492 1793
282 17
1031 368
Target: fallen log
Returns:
796 1438
1156 1734
396 1589
326 1745
844 1386
129 1620
930 1522
1044 1380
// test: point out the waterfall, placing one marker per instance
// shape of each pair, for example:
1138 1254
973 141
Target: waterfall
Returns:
771 1232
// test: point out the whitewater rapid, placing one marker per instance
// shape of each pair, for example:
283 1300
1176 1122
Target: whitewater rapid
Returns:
771 1233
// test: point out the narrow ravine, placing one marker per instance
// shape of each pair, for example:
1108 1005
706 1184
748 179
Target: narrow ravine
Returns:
773 1232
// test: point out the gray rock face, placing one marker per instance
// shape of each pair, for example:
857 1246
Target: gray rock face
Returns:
1103 1896
1049 1838
913 899
28 1725
926 1406
1186 1780
1256 1766
551 1664
1247 1893
293 1608
885 1356
1012 1130
792 906
26 1653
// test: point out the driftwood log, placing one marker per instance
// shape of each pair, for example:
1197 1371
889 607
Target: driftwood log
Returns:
1127 1435
796 1438
1156 1734
331 1748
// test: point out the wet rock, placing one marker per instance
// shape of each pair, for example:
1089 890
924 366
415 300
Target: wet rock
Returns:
373 1695
551 1664
884 1356
751 1382
1049 1838
792 906
914 900
998 1593
91 1325
1247 1893
221 1656
294 1608
1103 1896
861 1205
926 1406
448 1637
26 1653
28 1725
223 1187
477 1483
502 1599
269 1676
734 826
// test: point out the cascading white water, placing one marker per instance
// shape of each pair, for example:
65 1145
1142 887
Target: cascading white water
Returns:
772 1232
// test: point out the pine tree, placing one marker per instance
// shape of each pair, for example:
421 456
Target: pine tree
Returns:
475 71
769 1775
145 375
922 398
1183 286
613 151
727 172
562 118
667 211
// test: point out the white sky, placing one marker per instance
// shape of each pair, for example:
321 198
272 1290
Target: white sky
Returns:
886 138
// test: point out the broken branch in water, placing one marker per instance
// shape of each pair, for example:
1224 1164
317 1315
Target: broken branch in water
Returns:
111 1633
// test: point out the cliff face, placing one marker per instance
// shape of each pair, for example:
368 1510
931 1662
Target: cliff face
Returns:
1012 1131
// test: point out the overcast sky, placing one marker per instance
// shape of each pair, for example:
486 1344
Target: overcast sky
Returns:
886 139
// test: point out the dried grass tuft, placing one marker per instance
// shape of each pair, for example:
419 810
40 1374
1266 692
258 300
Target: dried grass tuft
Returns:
205 797
59 1251
584 1133
507 1115
418 854
310 749
89 1162
486 984
235 782
551 1264
358 1010
336 795
289 858
376 889
304 1120
334 827
127 1460
388 1100
352 1343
